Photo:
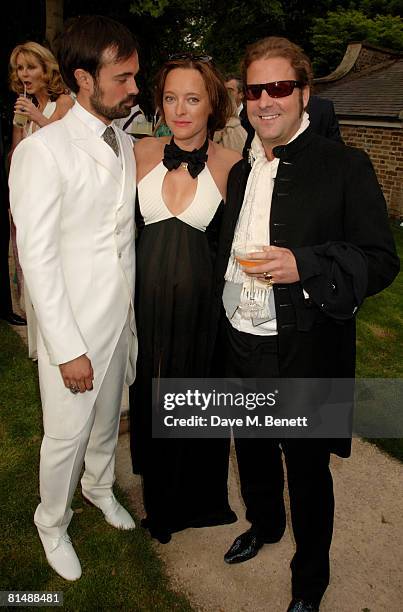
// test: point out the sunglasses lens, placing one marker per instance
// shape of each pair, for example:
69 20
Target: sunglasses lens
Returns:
253 92
280 89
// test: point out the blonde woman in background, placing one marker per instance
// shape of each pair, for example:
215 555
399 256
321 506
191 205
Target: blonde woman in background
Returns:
34 68
35 72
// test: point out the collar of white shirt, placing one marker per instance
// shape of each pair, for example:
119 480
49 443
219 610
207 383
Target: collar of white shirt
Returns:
95 124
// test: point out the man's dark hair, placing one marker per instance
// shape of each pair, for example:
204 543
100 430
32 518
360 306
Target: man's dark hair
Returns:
234 77
83 42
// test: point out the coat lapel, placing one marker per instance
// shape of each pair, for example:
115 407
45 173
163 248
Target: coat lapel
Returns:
129 177
86 140
235 194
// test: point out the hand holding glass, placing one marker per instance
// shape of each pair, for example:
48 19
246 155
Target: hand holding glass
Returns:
20 119
243 255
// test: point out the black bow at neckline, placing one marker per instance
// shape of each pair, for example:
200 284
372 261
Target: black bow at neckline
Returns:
174 156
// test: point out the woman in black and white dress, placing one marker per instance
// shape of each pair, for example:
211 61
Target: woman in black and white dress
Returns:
181 188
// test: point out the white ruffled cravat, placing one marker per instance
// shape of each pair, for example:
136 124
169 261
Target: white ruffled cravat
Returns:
253 226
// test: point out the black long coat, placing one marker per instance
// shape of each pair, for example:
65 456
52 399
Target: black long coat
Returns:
328 208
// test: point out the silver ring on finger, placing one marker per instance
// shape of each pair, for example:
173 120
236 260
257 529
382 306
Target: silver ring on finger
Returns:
74 389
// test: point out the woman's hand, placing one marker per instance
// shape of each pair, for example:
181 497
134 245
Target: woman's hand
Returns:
28 108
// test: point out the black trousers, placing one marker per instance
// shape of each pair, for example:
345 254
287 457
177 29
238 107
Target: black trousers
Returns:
262 478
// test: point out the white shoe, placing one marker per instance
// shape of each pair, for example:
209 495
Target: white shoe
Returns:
114 512
61 556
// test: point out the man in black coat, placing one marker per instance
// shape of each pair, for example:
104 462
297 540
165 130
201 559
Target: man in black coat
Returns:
318 205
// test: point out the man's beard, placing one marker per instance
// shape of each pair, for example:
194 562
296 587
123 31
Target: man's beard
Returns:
110 112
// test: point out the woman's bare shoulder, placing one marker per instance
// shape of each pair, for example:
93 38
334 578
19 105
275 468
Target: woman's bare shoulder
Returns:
64 101
147 146
65 98
148 153
226 157
63 104
148 142
220 163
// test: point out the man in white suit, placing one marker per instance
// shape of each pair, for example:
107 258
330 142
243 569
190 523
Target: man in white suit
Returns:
72 187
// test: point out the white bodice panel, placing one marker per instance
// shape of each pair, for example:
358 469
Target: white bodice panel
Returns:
198 214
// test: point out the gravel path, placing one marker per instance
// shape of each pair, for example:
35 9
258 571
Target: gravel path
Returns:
366 555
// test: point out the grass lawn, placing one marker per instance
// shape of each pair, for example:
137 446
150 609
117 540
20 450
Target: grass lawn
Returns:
120 569
380 339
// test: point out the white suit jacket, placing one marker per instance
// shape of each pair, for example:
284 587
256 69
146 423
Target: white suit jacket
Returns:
73 205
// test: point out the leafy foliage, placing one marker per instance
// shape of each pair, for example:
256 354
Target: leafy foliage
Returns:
154 8
371 8
331 35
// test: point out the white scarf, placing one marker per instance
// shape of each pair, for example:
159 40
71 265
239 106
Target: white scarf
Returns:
253 224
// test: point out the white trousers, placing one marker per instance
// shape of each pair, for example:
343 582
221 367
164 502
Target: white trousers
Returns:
61 461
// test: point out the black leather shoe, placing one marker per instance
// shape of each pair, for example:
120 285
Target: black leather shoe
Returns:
302 605
13 319
245 547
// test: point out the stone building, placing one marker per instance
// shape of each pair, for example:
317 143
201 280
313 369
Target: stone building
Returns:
367 92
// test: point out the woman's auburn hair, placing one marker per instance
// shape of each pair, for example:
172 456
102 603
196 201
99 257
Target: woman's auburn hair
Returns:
52 77
218 95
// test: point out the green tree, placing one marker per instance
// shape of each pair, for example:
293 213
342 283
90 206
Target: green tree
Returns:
331 35
371 8
387 31
234 26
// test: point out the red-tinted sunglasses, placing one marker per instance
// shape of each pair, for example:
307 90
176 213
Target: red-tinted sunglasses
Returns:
276 89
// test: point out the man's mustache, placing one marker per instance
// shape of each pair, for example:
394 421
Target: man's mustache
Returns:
132 99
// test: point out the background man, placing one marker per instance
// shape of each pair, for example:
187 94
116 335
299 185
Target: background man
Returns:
319 206
72 187
234 85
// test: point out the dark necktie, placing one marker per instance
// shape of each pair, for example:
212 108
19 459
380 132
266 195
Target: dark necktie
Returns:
109 137
194 160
